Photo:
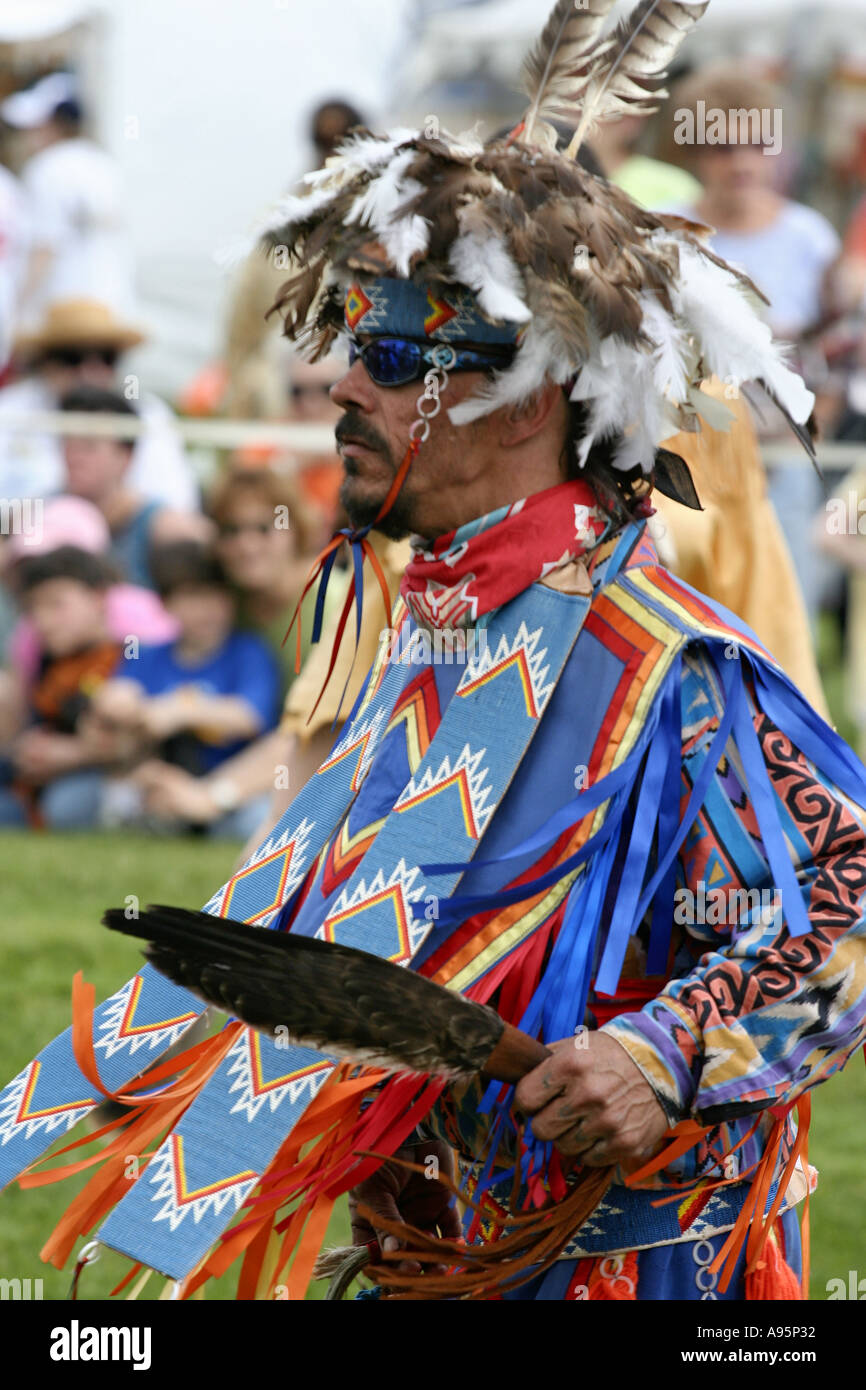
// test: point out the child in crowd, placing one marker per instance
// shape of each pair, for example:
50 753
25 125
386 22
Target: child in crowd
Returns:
97 468
267 536
51 772
193 702
130 609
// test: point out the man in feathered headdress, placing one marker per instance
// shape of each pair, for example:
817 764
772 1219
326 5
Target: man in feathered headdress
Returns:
572 788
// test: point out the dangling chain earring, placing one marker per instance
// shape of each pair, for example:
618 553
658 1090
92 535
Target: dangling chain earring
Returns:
444 358
435 382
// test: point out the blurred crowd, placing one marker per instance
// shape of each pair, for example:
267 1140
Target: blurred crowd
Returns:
144 677
142 616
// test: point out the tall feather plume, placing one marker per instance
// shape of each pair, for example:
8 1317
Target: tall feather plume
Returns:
629 306
566 40
625 73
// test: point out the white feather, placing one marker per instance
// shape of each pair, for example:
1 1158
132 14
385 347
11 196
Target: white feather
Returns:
356 156
377 202
670 352
405 239
600 386
624 403
717 415
539 359
360 154
467 143
232 253
375 207
485 264
736 344
278 220
636 446
289 211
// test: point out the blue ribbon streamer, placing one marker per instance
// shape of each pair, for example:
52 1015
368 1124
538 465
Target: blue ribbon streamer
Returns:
462 906
783 703
565 1000
669 813
623 920
695 801
764 801
319 610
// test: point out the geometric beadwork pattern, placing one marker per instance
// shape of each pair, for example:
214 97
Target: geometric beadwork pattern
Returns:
464 777
263 1078
25 1109
138 1023
232 1124
278 867
523 657
125 1023
396 894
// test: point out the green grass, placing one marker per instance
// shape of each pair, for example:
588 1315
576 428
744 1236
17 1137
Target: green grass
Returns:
55 889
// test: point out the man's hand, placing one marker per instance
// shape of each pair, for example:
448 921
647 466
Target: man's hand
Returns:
416 1198
592 1100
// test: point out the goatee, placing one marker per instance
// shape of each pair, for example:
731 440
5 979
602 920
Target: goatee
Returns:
363 511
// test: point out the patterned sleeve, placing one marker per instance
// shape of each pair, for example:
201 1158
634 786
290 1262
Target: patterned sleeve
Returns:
754 1016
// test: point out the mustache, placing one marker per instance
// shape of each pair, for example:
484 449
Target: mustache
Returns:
354 426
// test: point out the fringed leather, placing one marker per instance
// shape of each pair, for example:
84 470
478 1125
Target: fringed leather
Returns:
483 1271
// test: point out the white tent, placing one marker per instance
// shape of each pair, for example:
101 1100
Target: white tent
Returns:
495 35
31 20
205 104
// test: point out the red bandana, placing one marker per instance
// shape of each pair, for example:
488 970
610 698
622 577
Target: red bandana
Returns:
482 565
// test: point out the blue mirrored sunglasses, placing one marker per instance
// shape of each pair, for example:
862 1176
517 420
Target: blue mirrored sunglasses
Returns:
396 361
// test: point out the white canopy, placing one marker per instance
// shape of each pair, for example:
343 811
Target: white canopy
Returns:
22 21
496 34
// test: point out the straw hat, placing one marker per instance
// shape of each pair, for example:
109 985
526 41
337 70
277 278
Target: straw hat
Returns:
78 322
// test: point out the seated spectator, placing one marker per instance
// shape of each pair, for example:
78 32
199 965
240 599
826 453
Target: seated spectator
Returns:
276 765
784 246
132 612
266 540
196 701
80 343
98 469
51 773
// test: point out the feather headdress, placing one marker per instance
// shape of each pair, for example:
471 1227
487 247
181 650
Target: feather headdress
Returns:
629 309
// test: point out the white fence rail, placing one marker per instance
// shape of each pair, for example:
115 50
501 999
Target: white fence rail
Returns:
318 439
